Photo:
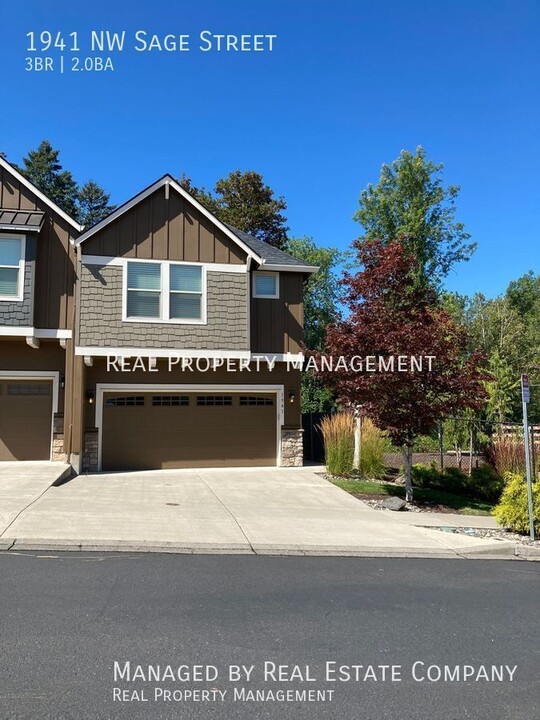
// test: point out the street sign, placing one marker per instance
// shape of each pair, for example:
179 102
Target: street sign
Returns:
525 390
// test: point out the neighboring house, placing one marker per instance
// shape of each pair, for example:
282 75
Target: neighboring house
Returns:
162 283
37 290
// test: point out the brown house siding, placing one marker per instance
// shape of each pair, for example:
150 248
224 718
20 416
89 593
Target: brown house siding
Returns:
280 375
55 256
164 229
277 325
101 315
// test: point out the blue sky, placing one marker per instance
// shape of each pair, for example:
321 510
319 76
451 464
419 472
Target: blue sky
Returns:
348 85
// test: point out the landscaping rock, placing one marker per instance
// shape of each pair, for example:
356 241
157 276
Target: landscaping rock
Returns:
393 503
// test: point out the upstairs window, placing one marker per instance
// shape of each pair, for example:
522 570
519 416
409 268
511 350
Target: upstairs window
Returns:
165 292
11 267
185 286
266 285
144 290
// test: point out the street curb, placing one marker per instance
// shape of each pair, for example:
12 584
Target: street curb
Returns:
491 552
144 546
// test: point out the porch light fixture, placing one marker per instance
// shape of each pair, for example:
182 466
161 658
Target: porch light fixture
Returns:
90 397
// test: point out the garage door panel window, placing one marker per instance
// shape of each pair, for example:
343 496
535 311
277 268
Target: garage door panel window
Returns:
11 267
256 401
129 401
29 389
213 400
165 292
170 400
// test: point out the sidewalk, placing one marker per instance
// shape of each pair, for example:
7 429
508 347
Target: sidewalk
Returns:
273 511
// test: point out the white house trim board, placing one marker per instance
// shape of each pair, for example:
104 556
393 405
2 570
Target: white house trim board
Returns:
105 260
162 353
42 334
167 180
53 375
104 388
30 186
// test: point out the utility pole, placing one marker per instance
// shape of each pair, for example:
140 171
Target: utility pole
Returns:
525 398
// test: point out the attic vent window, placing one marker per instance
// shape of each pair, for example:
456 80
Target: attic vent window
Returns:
266 284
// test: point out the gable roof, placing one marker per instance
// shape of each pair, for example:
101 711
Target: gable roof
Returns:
37 192
273 258
162 182
262 253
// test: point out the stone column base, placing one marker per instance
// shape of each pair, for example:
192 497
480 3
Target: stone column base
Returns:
90 452
292 448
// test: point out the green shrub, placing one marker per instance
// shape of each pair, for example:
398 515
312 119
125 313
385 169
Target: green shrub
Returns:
512 511
486 483
338 436
425 476
483 484
372 450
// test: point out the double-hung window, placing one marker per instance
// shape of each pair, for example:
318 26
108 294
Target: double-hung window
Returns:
11 267
165 292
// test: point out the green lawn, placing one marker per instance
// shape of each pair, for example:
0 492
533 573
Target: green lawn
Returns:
464 505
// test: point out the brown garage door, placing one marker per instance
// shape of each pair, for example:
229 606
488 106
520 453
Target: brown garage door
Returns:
175 430
25 419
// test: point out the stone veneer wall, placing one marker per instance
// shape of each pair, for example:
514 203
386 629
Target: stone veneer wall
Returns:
101 315
292 448
90 452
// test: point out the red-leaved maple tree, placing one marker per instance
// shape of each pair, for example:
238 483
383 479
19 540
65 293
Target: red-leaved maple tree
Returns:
392 315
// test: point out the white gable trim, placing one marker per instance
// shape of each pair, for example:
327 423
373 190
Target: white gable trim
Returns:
30 186
167 181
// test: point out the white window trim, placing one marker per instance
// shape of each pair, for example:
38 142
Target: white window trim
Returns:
20 289
265 272
164 303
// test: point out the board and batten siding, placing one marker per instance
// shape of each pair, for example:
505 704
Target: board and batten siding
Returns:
54 254
165 229
277 324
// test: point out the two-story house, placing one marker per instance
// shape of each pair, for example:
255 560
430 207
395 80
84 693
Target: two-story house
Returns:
181 332
37 313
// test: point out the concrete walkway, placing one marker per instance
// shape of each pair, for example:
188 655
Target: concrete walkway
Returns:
22 483
262 511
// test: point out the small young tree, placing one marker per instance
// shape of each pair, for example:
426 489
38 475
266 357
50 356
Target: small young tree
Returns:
390 315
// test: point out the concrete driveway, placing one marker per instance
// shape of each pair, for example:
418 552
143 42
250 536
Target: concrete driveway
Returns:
22 483
267 510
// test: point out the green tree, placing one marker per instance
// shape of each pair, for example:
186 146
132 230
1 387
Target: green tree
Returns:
411 202
242 199
93 204
321 308
42 167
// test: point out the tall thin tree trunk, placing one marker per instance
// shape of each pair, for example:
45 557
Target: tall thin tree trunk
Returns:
470 450
407 455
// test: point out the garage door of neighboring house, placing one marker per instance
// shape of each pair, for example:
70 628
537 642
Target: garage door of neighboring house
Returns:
25 419
146 431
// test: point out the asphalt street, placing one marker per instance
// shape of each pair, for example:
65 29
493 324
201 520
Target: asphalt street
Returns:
70 621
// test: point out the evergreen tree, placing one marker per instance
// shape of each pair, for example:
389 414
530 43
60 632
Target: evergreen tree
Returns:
42 167
93 204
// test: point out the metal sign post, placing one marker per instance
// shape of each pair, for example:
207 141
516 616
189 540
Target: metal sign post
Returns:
525 398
